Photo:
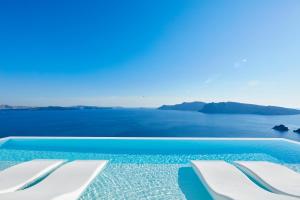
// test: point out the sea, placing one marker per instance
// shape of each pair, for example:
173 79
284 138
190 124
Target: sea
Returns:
142 123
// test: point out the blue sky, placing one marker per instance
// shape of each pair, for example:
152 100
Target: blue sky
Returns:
147 53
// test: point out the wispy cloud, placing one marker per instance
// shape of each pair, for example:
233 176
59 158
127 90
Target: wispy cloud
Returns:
240 63
211 79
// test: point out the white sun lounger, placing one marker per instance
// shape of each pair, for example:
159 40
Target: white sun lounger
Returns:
21 175
277 178
65 183
225 182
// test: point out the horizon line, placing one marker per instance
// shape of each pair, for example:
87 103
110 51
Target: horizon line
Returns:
146 107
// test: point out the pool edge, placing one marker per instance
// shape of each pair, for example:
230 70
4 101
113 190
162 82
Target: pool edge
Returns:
5 139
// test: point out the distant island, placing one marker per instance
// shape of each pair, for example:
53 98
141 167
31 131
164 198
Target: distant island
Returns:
231 108
8 107
297 131
208 108
281 128
192 106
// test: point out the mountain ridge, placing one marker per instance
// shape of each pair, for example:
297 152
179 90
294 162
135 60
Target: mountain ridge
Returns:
80 107
185 106
231 108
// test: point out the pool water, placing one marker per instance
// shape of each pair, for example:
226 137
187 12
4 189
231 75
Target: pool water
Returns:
149 168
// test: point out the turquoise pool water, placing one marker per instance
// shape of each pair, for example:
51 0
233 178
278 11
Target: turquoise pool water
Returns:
149 168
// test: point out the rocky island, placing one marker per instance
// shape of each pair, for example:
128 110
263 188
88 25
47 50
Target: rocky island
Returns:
281 128
297 131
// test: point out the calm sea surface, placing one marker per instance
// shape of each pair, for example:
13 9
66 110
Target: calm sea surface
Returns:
143 123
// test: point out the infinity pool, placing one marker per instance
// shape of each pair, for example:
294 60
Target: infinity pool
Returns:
144 168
